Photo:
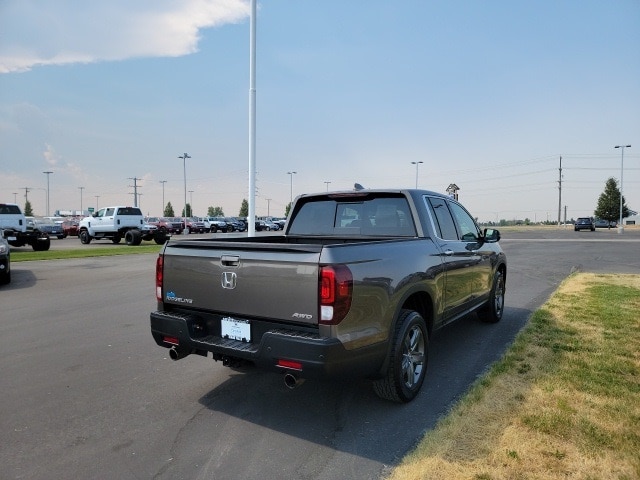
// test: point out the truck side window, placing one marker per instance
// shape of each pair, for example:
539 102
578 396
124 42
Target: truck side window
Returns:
109 212
444 221
467 227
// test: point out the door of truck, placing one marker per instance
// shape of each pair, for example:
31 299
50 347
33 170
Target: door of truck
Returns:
466 268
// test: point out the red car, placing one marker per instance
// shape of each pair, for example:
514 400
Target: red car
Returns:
70 228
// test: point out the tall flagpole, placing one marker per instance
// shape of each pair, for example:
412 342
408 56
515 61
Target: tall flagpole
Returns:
251 227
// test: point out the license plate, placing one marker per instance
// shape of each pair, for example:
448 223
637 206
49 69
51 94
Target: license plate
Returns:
235 329
12 239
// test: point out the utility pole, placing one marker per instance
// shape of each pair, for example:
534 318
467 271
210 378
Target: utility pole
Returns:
560 191
135 190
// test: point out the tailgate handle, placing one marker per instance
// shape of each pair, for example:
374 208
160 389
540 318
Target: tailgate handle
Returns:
230 260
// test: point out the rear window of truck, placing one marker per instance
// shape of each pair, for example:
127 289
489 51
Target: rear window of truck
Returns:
385 216
129 211
9 209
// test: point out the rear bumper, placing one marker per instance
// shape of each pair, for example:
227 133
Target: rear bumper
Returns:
320 357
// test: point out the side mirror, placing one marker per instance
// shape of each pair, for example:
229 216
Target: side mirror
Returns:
491 235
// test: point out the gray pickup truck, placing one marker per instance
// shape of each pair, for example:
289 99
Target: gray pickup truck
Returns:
355 286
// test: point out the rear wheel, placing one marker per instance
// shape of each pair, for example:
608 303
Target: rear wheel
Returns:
407 365
42 244
133 237
491 312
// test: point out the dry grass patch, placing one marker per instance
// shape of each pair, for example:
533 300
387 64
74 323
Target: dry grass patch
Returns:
564 402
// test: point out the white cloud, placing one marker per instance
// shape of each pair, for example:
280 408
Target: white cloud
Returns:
59 32
50 156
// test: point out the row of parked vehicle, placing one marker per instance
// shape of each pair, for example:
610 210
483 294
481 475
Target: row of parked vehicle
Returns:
177 225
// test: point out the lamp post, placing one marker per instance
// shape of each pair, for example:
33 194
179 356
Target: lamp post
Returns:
621 147
327 185
81 210
291 174
97 206
162 211
184 170
416 164
47 174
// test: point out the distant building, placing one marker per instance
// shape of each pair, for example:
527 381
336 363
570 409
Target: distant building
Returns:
452 190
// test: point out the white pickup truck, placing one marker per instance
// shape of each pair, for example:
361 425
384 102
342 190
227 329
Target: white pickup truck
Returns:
13 227
116 223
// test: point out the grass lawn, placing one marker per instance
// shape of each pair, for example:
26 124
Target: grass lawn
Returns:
564 402
27 255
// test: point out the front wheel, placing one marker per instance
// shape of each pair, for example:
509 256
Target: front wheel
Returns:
407 365
491 312
84 237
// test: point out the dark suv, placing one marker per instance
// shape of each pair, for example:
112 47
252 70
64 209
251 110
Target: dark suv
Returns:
584 223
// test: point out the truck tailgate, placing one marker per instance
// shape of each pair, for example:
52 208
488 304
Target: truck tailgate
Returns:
279 282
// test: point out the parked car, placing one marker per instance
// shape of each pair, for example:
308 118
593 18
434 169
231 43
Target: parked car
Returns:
269 225
216 224
45 225
584 223
70 228
5 261
600 223
237 224
166 225
195 225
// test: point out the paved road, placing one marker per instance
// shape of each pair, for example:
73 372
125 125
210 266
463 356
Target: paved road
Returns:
86 393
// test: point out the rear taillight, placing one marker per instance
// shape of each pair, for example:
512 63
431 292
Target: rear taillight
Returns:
336 287
159 268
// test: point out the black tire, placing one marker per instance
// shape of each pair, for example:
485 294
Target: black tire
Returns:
133 238
491 312
407 363
5 278
84 237
60 237
41 245
160 238
116 239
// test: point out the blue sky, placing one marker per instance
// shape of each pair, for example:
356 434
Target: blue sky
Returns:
487 94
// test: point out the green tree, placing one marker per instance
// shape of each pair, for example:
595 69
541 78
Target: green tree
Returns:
609 203
287 209
28 211
189 213
244 208
215 212
168 210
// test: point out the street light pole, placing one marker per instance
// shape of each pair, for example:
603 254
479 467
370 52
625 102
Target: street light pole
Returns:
81 210
162 211
47 174
291 174
97 206
416 164
184 169
327 185
621 147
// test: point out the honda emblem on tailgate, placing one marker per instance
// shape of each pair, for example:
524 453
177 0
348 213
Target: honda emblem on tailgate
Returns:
229 280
